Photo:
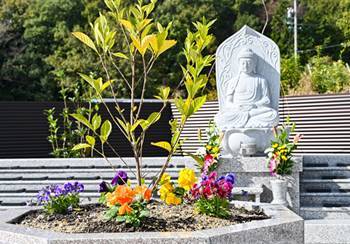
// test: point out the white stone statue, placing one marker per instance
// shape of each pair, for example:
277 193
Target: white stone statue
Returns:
248 80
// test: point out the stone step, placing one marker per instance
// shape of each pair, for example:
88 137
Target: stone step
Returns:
325 212
326 172
324 199
328 231
326 164
321 185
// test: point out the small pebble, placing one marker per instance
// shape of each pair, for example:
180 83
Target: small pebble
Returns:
89 219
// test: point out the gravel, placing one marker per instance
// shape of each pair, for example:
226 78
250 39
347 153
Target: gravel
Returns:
89 219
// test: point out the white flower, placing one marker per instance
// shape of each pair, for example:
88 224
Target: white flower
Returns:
201 151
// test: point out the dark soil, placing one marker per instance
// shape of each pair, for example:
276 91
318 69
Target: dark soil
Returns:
89 219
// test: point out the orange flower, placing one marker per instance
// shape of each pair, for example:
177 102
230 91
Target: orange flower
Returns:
125 208
122 194
144 192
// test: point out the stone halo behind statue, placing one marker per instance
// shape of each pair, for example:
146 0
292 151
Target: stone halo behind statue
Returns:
247 91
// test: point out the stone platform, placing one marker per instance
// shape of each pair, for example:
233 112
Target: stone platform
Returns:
253 171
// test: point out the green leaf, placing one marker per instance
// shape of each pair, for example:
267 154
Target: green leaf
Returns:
111 213
96 122
179 103
124 126
153 118
106 130
81 146
85 39
162 144
179 191
91 140
120 219
106 84
144 213
91 82
196 158
198 103
80 118
120 55
135 125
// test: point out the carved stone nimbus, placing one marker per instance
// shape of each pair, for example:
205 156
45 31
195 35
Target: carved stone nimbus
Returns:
248 83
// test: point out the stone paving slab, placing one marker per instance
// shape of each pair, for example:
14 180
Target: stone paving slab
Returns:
327 231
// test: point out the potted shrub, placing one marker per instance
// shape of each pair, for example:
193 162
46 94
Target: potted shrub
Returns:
280 160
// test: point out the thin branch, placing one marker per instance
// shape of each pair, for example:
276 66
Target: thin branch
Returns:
112 90
119 71
165 166
267 17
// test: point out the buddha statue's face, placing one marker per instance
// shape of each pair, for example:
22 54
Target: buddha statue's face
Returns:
247 65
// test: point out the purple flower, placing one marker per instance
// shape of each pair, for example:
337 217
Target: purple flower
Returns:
230 177
59 190
120 178
103 187
68 187
43 195
78 187
220 178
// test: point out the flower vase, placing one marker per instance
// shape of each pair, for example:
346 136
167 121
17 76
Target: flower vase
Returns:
279 191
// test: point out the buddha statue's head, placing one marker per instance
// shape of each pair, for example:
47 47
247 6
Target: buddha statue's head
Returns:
247 61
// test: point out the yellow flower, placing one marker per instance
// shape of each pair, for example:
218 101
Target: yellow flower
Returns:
275 145
187 178
171 199
215 150
165 178
165 189
209 147
282 147
283 157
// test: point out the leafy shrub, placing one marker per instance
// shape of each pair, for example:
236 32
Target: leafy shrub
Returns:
328 75
291 71
60 198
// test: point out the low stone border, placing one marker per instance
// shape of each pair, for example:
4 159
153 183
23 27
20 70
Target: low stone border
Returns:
284 226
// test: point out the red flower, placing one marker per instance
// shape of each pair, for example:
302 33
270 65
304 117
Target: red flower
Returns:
208 157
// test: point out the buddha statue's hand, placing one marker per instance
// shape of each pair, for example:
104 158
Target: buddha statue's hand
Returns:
247 107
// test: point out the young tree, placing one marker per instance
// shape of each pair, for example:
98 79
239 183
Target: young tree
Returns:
147 40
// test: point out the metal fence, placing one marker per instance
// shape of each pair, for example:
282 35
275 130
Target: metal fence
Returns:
324 120
24 129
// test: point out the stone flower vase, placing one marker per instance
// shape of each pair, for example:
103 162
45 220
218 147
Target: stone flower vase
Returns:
279 191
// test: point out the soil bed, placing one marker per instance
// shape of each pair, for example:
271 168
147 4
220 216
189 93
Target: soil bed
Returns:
89 219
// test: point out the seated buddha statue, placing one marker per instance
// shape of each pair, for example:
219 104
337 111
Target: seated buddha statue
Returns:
247 100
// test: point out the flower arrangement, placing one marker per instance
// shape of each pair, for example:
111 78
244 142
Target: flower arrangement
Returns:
207 156
60 198
279 155
211 195
172 194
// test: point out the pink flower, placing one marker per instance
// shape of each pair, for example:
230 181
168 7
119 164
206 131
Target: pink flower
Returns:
213 175
297 137
273 166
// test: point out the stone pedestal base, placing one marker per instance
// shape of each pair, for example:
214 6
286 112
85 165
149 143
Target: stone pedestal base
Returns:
253 171
235 138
